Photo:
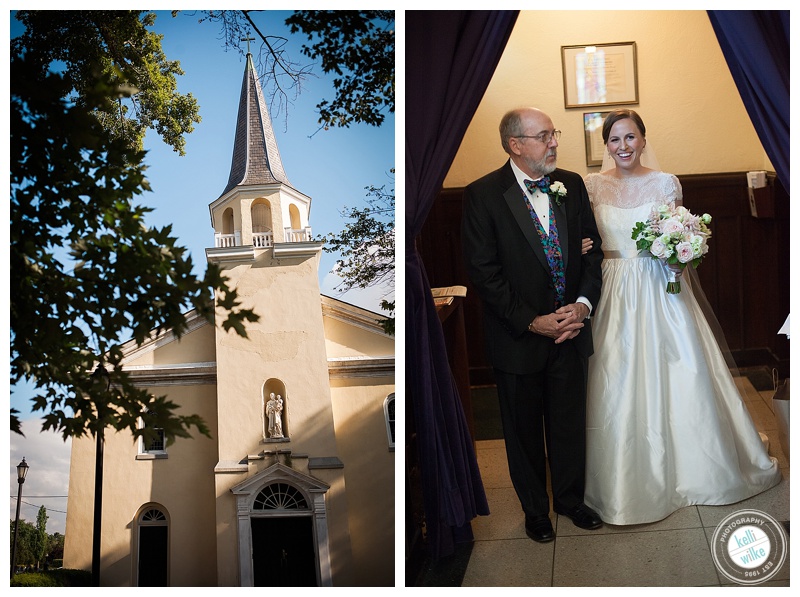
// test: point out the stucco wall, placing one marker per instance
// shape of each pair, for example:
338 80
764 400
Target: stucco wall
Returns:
346 340
369 468
182 484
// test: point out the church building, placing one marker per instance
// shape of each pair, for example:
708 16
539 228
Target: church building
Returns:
296 485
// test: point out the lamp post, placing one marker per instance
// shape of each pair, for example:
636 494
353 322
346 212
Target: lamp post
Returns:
22 470
101 375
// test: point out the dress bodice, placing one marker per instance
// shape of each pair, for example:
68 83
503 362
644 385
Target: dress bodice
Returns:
619 203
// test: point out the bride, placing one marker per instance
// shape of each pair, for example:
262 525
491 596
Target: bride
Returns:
666 425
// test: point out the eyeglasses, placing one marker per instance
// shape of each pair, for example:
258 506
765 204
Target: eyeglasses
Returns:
545 137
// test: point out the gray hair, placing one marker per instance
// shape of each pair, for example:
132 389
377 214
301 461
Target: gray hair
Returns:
510 126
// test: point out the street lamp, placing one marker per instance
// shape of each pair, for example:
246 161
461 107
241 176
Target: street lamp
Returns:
101 376
22 470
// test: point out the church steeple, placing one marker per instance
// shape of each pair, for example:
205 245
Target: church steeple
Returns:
259 208
256 159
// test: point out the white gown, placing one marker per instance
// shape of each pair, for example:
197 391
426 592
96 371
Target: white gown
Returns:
666 426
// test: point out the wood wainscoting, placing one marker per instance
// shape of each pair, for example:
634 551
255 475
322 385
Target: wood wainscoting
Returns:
745 275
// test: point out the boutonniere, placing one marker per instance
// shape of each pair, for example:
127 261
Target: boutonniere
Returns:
557 191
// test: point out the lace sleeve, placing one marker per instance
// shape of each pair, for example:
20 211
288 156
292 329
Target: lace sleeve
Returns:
672 189
589 181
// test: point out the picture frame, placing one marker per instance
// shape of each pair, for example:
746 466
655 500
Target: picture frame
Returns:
593 133
600 74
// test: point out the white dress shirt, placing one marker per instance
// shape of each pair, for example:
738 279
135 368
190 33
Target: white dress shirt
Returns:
539 200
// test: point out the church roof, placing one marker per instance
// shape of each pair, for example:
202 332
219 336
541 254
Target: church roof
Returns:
256 159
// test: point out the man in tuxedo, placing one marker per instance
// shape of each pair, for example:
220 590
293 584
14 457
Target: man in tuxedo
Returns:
522 231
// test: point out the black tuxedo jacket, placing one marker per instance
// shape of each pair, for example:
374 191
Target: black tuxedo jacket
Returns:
506 263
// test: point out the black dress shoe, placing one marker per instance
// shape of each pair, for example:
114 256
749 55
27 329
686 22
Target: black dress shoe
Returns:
582 516
539 529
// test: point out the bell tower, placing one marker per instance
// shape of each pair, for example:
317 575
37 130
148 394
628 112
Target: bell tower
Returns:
273 390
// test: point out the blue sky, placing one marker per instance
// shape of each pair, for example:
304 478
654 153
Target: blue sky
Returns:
333 167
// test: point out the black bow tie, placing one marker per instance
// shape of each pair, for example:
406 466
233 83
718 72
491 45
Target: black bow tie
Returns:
543 184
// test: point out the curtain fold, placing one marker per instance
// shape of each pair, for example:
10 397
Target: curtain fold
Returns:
755 44
450 59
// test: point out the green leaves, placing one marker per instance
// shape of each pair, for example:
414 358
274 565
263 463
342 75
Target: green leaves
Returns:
140 83
366 246
359 47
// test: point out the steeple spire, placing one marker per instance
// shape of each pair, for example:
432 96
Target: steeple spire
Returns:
256 159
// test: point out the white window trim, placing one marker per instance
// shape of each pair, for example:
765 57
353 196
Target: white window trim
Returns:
145 454
389 434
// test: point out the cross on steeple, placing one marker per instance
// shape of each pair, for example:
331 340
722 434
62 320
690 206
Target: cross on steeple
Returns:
248 40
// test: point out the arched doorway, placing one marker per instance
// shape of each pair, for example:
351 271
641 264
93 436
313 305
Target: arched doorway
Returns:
283 529
284 553
152 569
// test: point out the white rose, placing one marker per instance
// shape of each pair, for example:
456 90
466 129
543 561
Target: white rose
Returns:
660 248
670 226
558 188
685 252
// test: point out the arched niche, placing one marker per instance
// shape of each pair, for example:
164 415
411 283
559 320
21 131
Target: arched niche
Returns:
274 409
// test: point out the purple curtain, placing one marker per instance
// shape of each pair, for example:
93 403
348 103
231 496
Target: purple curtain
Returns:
450 59
755 44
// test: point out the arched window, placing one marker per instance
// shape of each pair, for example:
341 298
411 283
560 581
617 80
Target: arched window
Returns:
153 547
280 496
260 214
388 411
294 217
227 221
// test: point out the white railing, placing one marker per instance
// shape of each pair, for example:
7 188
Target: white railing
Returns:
262 240
228 240
297 236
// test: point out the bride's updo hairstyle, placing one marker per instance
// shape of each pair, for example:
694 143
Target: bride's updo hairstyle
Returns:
621 114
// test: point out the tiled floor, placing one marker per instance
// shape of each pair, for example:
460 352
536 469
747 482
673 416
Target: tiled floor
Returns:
672 552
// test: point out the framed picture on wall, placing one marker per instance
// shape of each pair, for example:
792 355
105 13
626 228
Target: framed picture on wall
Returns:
593 131
600 74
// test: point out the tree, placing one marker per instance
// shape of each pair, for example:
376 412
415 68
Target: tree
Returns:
25 542
119 45
358 46
366 246
87 272
41 542
56 547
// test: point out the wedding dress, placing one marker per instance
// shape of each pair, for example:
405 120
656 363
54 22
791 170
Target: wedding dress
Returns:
666 426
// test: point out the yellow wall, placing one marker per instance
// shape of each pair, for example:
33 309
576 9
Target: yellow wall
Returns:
694 116
369 471
182 483
196 346
346 340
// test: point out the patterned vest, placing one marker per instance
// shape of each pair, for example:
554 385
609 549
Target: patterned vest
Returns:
552 250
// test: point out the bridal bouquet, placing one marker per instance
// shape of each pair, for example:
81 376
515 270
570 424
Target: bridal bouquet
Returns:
675 236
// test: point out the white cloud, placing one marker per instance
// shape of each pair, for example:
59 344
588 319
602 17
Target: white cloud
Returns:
48 456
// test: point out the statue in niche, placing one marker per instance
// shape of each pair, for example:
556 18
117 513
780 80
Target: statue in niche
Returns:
274 413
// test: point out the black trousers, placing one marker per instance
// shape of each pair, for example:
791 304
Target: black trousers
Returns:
546 408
